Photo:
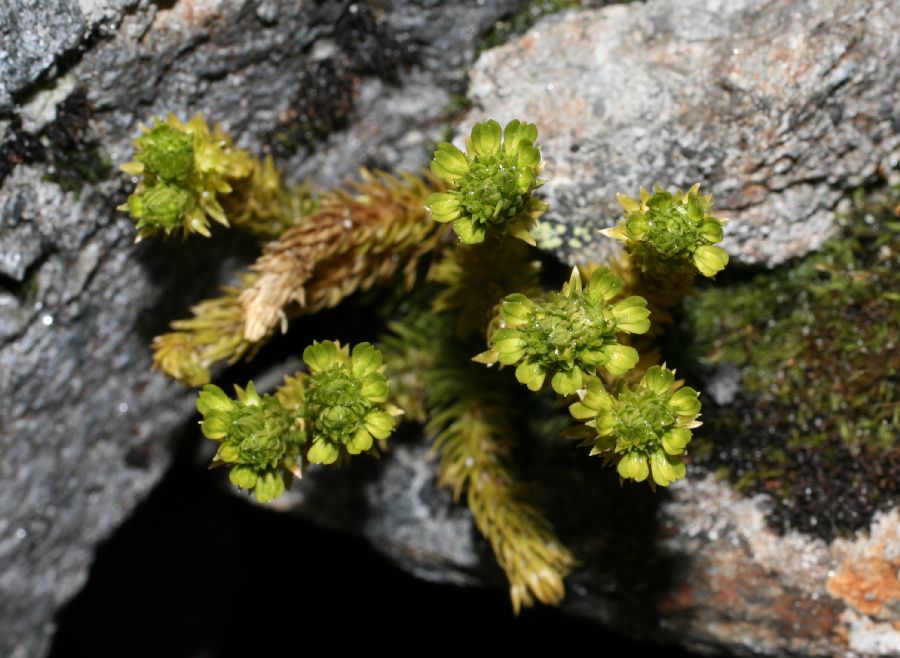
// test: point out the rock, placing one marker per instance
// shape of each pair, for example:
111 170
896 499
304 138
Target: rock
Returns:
396 505
695 565
724 383
84 424
777 112
777 131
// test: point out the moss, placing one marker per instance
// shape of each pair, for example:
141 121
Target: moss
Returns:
322 106
19 147
523 20
372 47
458 104
74 156
326 93
86 164
815 341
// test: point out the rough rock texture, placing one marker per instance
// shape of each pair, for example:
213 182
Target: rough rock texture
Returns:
83 423
777 108
777 131
695 564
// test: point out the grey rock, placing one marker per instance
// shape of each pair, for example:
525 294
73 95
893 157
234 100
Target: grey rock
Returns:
423 529
35 35
777 109
84 423
695 565
396 505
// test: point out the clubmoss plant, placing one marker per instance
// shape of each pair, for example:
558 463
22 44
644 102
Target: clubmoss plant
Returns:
345 400
191 175
185 167
667 232
490 187
568 335
259 439
644 429
456 298
495 269
669 238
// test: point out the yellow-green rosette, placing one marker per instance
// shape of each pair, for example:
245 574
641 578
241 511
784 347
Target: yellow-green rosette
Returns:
490 186
183 169
667 232
568 335
345 401
258 438
645 429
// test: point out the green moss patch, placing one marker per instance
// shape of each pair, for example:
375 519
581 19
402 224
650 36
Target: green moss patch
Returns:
68 145
816 344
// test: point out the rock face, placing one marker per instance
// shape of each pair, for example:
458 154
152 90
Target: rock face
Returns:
776 111
83 423
695 565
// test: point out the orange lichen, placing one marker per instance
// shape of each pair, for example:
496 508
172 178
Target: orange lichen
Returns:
868 584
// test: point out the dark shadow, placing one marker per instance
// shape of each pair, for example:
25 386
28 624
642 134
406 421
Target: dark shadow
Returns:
199 572
183 272
614 531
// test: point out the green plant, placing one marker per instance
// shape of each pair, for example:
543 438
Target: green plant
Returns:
669 233
258 437
320 247
342 400
569 334
643 429
490 186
